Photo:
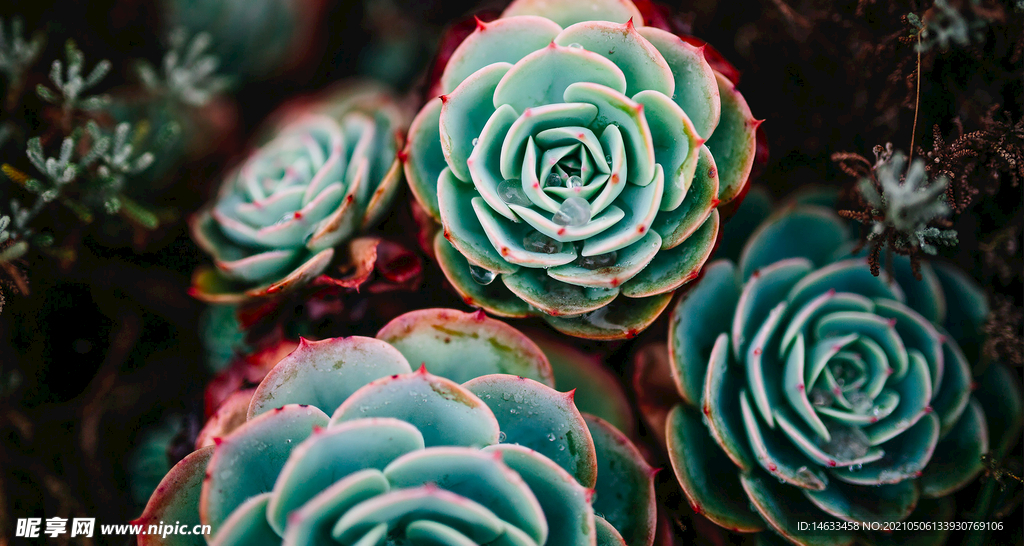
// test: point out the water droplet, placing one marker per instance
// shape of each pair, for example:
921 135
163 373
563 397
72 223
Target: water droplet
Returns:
561 448
575 45
805 474
481 275
856 467
574 182
600 319
288 217
575 211
553 179
513 411
502 437
475 141
506 396
847 442
597 262
511 192
608 158
551 437
538 242
821 397
860 401
752 507
781 480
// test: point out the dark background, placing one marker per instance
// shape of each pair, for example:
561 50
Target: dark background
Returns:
108 345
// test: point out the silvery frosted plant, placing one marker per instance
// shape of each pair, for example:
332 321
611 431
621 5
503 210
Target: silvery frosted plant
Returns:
813 391
576 159
17 54
344 443
907 205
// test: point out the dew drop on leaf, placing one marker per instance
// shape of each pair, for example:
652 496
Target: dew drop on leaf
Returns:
481 275
574 211
538 242
511 192
597 262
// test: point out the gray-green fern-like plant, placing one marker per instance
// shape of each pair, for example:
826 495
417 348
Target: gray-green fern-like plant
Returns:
189 73
907 206
102 165
16 53
71 82
9 250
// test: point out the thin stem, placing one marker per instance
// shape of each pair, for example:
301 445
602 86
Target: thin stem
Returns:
917 99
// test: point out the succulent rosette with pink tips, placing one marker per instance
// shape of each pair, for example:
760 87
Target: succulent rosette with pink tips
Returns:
576 159
344 443
326 173
812 391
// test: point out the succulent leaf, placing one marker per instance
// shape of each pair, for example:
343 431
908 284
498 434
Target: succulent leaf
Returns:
618 494
450 345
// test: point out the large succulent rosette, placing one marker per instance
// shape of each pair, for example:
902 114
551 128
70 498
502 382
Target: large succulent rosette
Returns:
579 157
327 172
343 443
815 392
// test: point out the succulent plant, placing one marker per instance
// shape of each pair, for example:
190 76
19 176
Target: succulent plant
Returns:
343 443
580 157
813 391
328 171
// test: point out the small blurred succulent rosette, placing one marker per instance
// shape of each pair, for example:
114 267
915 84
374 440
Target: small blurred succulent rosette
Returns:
576 159
810 390
324 174
345 442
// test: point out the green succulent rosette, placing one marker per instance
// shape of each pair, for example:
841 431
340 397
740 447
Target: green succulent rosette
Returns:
327 172
344 443
576 160
815 392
